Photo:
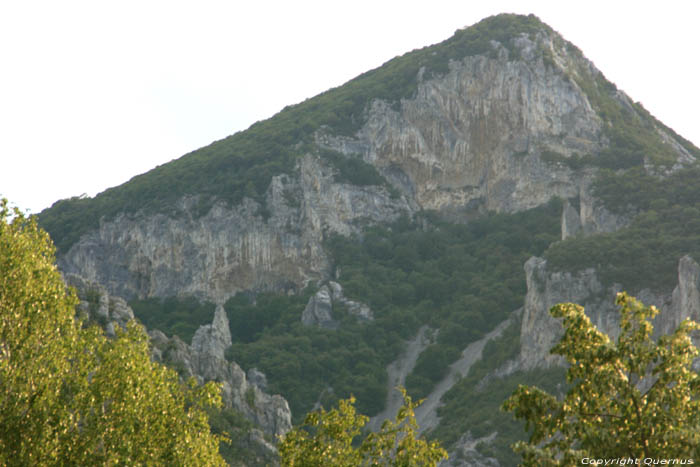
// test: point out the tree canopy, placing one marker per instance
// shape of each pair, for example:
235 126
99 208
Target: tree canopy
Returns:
327 439
634 398
69 395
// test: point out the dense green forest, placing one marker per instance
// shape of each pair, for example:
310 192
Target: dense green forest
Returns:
645 254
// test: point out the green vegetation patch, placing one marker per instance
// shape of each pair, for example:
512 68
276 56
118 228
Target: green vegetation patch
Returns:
354 170
631 131
574 162
461 279
304 362
473 404
174 316
644 254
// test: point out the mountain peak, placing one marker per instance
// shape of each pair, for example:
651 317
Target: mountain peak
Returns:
507 83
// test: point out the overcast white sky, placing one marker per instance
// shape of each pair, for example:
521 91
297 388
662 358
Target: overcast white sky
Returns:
95 92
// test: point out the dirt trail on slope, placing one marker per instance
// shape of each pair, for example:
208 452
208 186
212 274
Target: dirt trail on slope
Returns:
426 414
397 372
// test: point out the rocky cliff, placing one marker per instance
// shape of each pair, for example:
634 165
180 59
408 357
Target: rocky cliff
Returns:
495 131
473 138
545 289
204 360
231 248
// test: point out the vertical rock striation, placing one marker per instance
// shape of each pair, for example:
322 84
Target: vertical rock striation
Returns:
545 289
231 249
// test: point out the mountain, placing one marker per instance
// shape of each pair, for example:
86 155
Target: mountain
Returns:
385 224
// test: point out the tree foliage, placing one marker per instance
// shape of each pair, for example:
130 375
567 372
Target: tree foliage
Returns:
461 279
69 395
633 398
175 316
330 435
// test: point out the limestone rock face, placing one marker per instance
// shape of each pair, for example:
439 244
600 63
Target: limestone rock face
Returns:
539 331
108 310
589 216
685 299
319 310
474 137
594 216
492 133
257 378
231 249
570 222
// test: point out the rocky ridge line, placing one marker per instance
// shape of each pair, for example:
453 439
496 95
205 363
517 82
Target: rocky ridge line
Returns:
471 140
204 360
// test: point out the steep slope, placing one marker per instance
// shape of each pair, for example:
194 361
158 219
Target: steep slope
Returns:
388 186
547 288
250 417
650 257
502 116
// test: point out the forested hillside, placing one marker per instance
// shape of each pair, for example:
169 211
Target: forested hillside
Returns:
420 189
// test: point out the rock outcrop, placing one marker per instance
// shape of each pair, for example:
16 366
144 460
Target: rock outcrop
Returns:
545 289
205 361
570 221
257 378
319 309
589 216
685 298
213 339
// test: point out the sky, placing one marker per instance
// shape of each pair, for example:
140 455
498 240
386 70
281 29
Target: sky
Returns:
93 93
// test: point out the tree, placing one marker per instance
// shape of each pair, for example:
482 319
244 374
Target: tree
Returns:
634 398
69 395
328 438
